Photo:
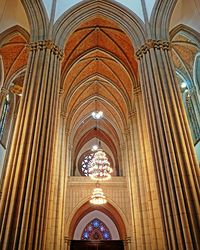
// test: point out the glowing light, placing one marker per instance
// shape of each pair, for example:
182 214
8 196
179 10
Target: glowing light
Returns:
99 167
95 147
183 85
98 197
97 115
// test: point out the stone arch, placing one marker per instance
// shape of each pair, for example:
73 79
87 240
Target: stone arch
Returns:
14 76
185 29
109 209
38 19
129 22
14 30
160 18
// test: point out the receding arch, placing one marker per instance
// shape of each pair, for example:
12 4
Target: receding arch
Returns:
109 209
69 21
107 54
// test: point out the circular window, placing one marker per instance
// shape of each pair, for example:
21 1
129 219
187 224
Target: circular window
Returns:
84 162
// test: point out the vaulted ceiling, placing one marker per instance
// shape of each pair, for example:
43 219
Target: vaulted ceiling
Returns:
99 72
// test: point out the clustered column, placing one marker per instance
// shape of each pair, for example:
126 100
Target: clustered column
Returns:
26 191
176 167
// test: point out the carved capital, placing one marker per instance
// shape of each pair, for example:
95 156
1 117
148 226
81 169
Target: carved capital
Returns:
4 92
66 240
63 115
44 45
61 91
67 131
132 113
127 240
137 90
152 44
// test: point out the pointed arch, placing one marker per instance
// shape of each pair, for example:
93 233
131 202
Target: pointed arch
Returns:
68 22
6 35
38 19
160 18
109 209
187 30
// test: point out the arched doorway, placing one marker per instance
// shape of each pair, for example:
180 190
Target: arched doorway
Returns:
97 227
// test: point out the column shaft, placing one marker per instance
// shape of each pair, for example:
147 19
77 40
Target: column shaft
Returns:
26 190
176 166
151 209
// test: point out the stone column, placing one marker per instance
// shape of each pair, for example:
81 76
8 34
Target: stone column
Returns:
56 216
24 207
152 219
138 175
176 167
127 162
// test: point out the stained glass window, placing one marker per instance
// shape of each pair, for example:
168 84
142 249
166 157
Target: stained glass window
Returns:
4 116
85 163
96 230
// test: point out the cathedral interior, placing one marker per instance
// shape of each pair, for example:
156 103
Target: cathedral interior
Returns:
97 89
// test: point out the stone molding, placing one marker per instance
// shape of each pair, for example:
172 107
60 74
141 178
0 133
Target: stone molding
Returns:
152 44
44 45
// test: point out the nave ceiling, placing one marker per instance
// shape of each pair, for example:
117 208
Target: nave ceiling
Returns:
99 71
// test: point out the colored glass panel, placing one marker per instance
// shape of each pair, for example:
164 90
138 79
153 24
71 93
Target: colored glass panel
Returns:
96 230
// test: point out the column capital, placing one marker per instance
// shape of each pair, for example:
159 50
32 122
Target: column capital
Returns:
132 113
63 114
44 45
127 131
67 131
61 91
155 44
4 92
137 90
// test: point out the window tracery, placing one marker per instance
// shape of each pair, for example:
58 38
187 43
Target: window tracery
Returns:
96 230
85 163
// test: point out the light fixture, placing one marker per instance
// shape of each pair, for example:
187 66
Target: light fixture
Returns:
95 147
97 115
183 85
98 197
99 167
